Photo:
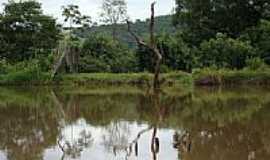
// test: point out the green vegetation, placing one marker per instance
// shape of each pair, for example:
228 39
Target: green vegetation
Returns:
101 53
231 77
24 73
25 32
126 78
163 25
234 51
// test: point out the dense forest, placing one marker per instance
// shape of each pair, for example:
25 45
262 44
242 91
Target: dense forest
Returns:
232 35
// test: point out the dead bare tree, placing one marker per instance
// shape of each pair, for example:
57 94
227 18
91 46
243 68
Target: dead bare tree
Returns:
152 45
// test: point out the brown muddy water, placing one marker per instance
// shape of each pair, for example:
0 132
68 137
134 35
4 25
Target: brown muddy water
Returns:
125 123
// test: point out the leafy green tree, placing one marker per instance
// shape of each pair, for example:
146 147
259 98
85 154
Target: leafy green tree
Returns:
101 53
223 51
69 47
73 16
203 19
259 36
177 55
26 32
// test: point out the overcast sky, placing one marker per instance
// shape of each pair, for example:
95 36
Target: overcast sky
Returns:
137 9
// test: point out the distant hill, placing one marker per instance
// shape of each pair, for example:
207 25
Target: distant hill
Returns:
162 24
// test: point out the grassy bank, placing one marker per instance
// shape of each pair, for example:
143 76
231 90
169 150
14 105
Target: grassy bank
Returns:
204 77
126 78
231 77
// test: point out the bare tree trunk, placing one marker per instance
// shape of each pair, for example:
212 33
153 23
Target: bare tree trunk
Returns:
69 59
59 63
114 27
69 55
152 46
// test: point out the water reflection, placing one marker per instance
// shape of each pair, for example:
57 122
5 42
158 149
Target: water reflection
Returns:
101 124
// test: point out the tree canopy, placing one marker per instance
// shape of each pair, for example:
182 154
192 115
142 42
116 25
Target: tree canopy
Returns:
203 19
25 31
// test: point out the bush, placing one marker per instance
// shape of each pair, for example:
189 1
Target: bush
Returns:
256 64
176 54
225 52
3 66
209 76
101 53
259 36
23 72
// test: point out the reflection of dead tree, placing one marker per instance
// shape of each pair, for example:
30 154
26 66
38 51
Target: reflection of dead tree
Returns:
59 105
134 144
182 142
72 149
75 148
66 111
154 144
117 138
152 45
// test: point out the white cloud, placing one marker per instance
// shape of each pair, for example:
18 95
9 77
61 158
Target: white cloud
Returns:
137 9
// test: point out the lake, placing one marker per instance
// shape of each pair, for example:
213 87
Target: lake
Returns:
131 123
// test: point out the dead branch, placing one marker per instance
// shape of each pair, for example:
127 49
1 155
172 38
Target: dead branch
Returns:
137 38
129 147
152 25
152 46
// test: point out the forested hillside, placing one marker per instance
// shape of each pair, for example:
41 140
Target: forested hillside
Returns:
163 25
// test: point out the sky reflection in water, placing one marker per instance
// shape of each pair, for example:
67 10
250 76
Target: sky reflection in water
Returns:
101 124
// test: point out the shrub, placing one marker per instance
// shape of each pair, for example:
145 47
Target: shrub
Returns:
177 55
259 36
101 53
223 51
209 76
3 66
23 72
256 64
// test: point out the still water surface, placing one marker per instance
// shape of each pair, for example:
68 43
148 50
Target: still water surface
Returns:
124 123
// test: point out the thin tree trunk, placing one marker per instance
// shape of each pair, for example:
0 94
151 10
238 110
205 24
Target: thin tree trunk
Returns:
69 61
60 61
152 46
114 27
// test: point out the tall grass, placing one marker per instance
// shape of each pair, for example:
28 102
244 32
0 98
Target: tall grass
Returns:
209 76
27 72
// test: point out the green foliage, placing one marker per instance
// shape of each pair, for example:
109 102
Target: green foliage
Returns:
218 34
108 78
171 78
163 24
203 19
256 64
101 53
72 15
26 32
23 72
223 51
211 76
176 54
3 66
259 36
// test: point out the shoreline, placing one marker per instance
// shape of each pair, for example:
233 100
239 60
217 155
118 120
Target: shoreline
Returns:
204 77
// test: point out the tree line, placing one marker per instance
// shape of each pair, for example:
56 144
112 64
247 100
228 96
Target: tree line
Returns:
229 34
